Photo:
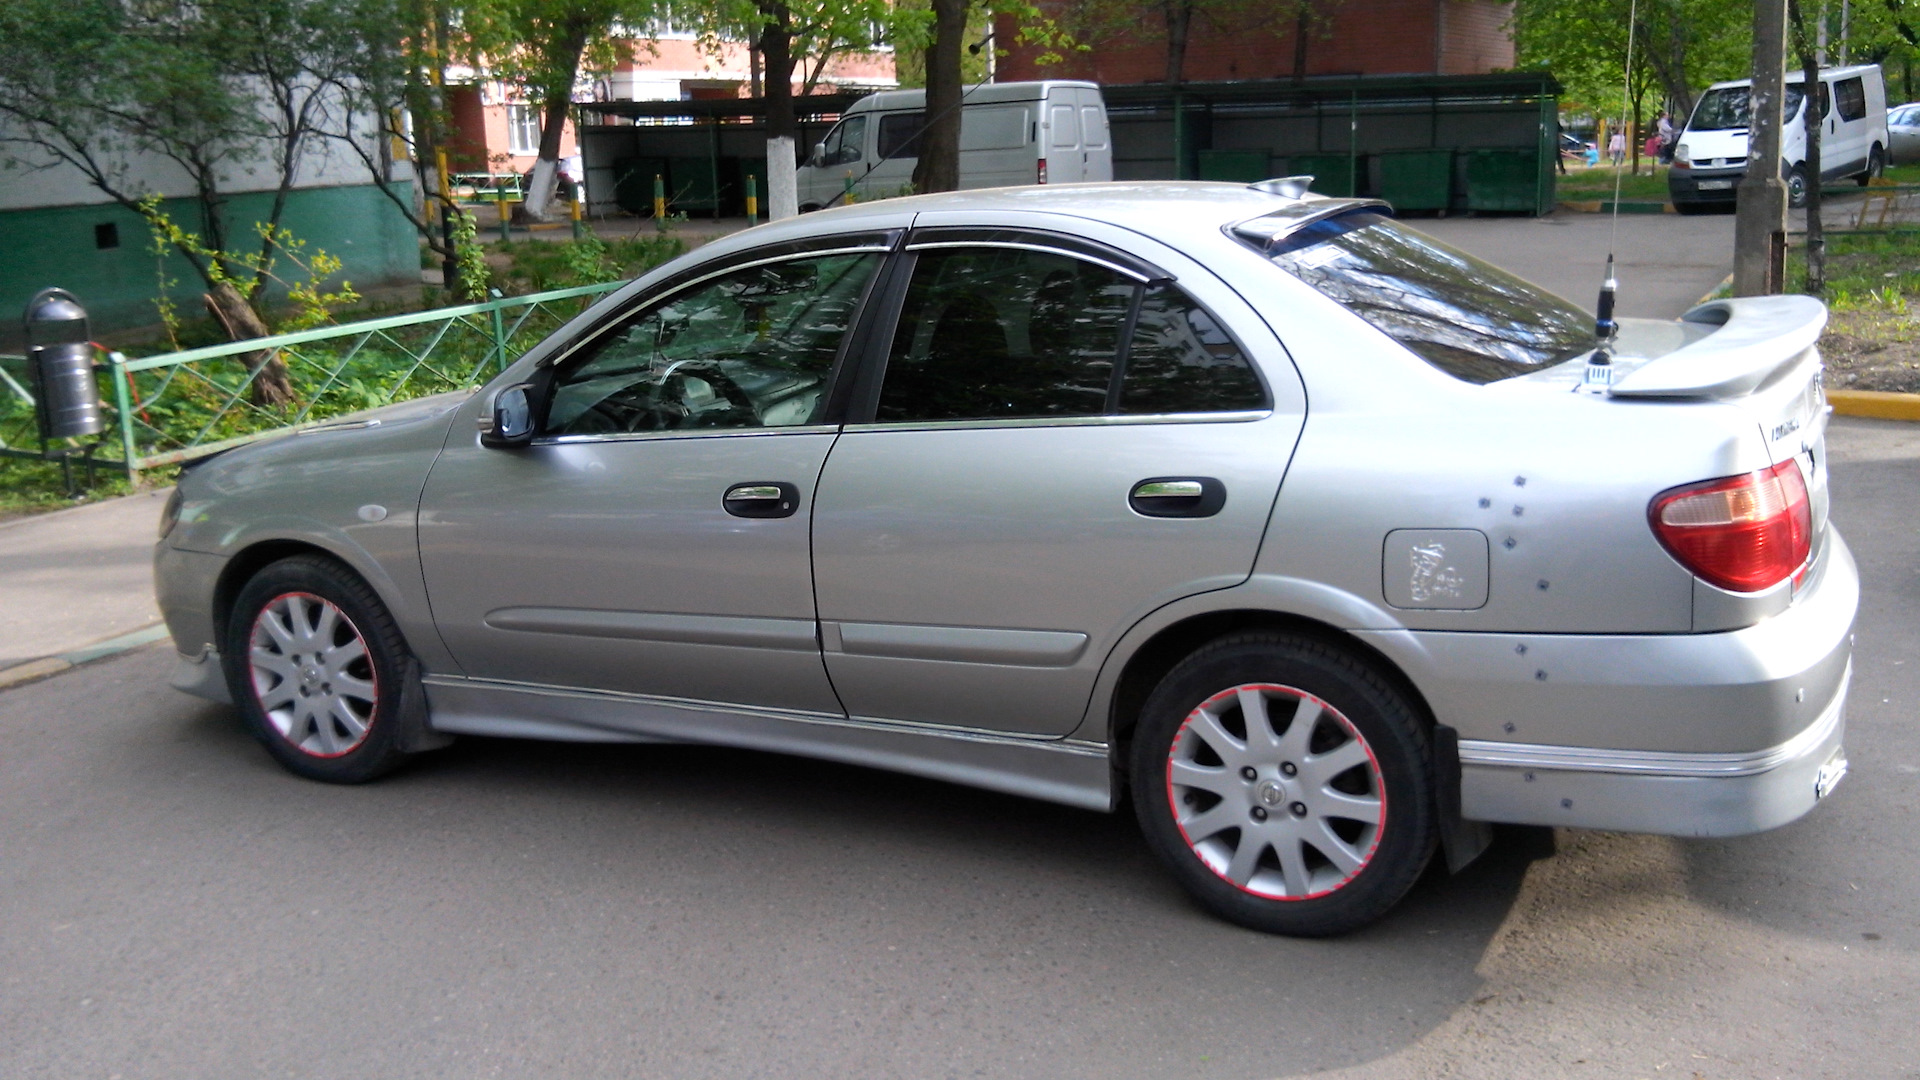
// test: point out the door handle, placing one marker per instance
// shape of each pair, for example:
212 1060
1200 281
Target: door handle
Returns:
1178 497
761 499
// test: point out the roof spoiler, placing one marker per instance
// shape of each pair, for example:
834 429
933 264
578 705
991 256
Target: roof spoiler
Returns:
1757 337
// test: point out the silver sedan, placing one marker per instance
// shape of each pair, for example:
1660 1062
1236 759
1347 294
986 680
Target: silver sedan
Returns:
1903 133
1322 544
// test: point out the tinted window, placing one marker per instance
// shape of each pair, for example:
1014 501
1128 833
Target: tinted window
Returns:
750 349
1181 360
847 141
900 135
1468 318
993 333
1851 97
1001 333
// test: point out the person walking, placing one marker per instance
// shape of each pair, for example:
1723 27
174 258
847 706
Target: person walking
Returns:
1668 136
1617 147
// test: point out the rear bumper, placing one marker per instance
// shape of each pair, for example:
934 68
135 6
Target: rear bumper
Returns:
1654 792
1711 734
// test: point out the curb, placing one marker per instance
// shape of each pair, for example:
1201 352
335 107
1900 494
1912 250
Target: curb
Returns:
1878 404
1627 206
47 666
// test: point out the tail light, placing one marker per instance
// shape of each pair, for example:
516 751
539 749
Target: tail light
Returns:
1042 171
1743 533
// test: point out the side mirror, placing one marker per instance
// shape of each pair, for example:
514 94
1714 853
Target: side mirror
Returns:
819 157
510 422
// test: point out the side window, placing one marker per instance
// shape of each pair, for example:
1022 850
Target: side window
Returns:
1007 333
998 333
900 135
1851 96
847 142
750 349
1180 361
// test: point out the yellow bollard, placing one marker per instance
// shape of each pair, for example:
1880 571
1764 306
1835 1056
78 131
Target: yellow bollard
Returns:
659 198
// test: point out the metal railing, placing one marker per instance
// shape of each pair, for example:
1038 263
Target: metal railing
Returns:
179 406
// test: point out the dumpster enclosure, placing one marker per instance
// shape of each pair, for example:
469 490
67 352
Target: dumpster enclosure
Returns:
1426 143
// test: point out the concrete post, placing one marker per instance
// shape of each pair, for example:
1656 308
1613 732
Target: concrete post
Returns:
1760 224
783 187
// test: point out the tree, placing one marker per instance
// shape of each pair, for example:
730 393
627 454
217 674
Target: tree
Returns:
1684 44
938 168
216 88
544 47
1802 45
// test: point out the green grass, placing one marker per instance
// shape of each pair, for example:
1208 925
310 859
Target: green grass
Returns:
1865 270
1582 184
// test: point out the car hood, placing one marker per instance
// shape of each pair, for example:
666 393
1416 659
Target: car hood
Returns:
1716 144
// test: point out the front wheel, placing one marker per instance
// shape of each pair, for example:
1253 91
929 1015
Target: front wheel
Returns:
1797 187
1285 783
319 670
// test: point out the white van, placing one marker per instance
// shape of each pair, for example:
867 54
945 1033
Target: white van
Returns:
1711 155
1050 132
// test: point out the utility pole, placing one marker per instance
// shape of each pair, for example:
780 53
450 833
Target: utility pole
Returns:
1760 224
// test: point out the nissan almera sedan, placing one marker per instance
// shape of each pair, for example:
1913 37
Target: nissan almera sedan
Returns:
1319 542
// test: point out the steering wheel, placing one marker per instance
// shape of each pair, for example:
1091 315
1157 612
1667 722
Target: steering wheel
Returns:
667 399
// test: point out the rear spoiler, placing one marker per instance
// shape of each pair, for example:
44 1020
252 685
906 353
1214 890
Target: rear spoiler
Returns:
1758 336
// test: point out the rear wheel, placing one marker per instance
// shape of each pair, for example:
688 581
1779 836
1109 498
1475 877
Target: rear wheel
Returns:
1876 165
1285 784
318 670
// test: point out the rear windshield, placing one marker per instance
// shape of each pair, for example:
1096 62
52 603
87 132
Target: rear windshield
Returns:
1468 318
1730 108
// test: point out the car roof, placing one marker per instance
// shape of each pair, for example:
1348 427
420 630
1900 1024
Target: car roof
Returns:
1172 211
1798 76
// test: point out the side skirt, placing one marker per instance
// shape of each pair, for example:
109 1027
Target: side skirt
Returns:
1070 772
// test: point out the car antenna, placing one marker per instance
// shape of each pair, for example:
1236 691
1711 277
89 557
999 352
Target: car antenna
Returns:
1598 378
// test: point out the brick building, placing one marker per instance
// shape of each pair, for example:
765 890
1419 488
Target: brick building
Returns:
1360 37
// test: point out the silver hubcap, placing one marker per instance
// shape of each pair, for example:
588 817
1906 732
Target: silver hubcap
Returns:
312 674
1276 792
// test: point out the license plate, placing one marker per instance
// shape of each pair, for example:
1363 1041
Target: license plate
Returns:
1715 185
1830 775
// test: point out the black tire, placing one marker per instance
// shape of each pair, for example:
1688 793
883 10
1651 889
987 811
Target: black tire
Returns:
279 707
1197 705
1797 187
1876 165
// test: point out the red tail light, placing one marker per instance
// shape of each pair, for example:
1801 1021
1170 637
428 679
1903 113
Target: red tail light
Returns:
1043 171
1743 533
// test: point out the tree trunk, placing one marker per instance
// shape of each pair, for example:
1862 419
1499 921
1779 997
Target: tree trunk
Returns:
783 128
271 386
1812 121
939 166
546 167
1179 15
1302 23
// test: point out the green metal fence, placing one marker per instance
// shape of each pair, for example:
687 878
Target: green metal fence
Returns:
179 406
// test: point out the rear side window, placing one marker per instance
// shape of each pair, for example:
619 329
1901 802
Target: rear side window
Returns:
900 135
1012 333
1850 96
1466 317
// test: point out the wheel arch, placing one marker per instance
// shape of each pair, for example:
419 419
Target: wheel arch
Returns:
255 557
1155 657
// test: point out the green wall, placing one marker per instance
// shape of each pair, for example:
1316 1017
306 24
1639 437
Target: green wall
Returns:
56 246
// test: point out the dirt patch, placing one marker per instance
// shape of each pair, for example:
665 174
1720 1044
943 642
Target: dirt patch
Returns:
1872 350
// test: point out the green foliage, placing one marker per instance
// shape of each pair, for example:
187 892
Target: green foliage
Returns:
247 271
470 259
538 265
1679 46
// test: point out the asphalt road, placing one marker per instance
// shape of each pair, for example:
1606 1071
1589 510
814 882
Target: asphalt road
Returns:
176 906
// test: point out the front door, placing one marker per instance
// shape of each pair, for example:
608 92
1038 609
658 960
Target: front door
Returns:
1056 447
654 539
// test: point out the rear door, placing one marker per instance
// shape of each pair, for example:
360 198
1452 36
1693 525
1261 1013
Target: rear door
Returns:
1063 151
1096 140
1051 443
1848 129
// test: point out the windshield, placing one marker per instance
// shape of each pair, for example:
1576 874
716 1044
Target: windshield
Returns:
1728 108
1468 318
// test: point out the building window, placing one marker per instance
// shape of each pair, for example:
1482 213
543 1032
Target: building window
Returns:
523 129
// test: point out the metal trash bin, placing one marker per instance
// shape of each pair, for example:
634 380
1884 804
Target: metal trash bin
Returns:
1332 173
1417 179
1236 166
1503 180
60 359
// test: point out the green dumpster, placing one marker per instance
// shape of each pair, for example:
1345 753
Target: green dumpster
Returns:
1417 179
633 183
1332 173
1503 180
1235 166
693 183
